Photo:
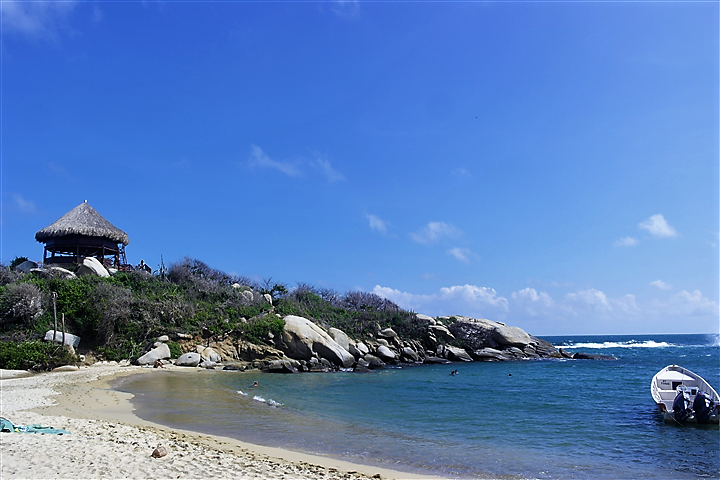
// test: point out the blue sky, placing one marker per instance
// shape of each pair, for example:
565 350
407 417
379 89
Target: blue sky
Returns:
550 165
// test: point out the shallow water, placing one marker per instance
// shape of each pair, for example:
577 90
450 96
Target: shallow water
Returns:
527 419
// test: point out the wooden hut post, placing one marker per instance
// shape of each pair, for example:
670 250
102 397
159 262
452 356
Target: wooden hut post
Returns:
54 296
63 325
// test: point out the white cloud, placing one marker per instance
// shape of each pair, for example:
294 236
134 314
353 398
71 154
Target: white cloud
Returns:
658 226
434 232
462 254
35 19
377 224
327 169
693 303
532 302
661 285
22 205
470 300
258 158
626 242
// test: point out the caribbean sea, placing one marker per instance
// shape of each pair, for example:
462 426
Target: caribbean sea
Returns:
546 419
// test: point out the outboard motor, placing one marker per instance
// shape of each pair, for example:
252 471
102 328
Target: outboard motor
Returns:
681 406
704 407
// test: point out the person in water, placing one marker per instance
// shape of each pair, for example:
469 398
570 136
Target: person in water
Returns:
255 384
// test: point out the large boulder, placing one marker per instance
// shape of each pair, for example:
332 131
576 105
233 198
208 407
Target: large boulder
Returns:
385 353
285 365
210 355
190 359
160 352
457 354
478 333
513 336
57 336
303 340
340 338
92 266
54 272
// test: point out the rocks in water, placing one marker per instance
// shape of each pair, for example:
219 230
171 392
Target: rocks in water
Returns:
385 353
409 354
374 363
303 340
160 352
190 359
92 266
286 365
592 356
457 354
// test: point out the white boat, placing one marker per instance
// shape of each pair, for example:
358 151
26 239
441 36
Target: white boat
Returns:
684 397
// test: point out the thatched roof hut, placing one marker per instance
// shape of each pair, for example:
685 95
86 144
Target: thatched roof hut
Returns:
82 232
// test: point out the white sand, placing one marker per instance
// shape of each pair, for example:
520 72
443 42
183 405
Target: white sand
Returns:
107 441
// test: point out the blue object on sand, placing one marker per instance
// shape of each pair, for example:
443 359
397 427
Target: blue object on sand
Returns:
7 426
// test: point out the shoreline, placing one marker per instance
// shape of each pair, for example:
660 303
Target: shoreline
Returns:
109 441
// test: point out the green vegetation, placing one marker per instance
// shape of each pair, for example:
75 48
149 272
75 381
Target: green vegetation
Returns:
119 317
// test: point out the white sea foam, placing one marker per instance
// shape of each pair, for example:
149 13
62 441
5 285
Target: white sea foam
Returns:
630 344
242 393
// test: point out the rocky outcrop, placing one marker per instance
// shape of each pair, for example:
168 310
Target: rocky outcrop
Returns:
57 336
190 359
303 340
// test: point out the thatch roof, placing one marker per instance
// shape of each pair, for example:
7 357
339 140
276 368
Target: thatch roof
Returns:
83 220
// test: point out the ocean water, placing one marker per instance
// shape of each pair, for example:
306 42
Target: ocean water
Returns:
547 419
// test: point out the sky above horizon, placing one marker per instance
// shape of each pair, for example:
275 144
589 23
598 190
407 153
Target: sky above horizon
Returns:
550 165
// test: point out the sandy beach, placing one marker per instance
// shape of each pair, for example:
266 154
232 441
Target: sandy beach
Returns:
108 441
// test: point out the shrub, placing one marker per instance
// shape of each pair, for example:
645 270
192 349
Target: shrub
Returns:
21 302
34 355
257 328
175 350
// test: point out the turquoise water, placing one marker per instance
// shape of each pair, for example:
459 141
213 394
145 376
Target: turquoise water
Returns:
551 419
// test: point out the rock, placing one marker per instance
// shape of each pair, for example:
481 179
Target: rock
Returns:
54 272
436 360
457 354
387 333
159 452
488 354
70 339
514 336
210 355
163 338
236 285
189 359
592 356
92 266
374 362
385 353
409 354
182 336
207 364
268 298
359 349
286 365
340 338
248 295
426 319
303 339
441 332
158 353
66 368
26 266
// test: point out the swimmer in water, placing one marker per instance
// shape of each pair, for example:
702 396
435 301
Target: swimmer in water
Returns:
255 384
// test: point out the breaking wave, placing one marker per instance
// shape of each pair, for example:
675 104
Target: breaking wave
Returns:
260 399
629 344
